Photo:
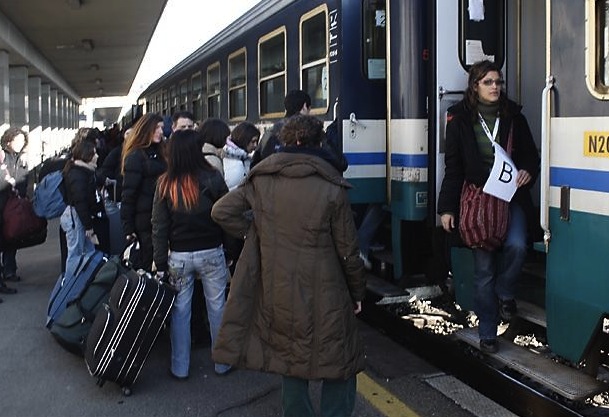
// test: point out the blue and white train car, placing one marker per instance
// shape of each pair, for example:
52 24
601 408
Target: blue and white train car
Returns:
387 71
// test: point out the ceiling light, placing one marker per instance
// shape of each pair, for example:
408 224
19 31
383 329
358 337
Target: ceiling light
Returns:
94 67
98 81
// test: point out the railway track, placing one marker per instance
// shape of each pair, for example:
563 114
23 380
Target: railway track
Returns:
520 394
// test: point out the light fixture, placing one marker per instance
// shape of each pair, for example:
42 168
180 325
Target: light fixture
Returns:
98 81
94 67
100 91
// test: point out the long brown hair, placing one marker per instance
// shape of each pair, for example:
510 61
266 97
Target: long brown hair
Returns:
476 73
180 184
141 136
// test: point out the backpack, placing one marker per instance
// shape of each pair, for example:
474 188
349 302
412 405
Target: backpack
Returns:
48 196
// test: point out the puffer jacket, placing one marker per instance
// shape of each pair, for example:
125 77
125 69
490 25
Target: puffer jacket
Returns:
290 307
142 169
236 165
81 193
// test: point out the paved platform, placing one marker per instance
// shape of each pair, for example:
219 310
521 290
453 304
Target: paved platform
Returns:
39 378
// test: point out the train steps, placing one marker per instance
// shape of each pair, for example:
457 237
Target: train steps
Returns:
531 313
561 379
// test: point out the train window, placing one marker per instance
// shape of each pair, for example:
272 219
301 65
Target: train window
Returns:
272 73
597 48
314 57
237 93
197 109
183 95
213 90
481 33
173 99
375 39
165 103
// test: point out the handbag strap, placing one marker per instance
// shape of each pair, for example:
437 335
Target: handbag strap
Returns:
510 139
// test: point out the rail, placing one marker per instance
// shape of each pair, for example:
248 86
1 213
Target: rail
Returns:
544 215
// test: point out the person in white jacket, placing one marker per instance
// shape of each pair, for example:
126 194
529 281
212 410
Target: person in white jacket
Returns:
237 153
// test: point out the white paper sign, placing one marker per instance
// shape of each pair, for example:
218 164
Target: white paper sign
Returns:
501 182
476 10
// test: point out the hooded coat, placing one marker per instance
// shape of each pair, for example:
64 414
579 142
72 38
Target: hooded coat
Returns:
290 306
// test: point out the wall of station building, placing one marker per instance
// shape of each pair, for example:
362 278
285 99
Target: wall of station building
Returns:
48 115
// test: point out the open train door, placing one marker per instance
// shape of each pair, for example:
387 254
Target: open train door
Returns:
463 32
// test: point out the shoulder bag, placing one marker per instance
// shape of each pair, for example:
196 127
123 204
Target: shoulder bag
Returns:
483 218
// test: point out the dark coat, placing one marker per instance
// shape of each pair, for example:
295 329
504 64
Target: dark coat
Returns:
142 169
290 307
190 231
463 160
81 193
111 168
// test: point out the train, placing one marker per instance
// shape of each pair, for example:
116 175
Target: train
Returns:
387 71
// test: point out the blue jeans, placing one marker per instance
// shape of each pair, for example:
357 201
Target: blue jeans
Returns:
210 266
496 273
76 240
337 397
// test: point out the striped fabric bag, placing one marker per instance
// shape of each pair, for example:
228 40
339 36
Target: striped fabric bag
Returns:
483 218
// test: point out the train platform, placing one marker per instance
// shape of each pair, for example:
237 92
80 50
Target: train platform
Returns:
39 378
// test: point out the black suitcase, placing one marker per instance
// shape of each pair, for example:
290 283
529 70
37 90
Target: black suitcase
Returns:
124 331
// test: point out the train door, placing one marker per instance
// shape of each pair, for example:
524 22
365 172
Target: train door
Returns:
574 180
462 32
362 101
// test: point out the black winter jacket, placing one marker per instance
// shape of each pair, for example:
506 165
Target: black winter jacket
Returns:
142 169
81 193
183 231
463 161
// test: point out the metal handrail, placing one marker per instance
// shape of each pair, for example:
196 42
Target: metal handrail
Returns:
544 178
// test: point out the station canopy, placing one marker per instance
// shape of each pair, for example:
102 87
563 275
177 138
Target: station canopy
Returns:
86 48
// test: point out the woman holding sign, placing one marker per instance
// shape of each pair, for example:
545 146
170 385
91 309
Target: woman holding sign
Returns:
476 125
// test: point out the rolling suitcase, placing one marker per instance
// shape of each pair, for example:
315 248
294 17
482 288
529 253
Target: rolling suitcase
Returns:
125 330
71 327
70 285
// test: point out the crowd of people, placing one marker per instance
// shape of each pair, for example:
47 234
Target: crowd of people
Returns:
298 268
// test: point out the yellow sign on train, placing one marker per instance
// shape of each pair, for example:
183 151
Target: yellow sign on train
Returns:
596 144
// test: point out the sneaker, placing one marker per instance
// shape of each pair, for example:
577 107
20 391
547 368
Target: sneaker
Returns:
507 309
222 370
489 345
367 263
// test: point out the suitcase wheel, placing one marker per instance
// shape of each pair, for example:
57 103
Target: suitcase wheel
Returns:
126 391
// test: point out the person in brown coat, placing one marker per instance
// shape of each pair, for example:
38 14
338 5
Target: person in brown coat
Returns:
299 281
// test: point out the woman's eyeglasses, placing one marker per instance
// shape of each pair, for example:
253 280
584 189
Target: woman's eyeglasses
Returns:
488 82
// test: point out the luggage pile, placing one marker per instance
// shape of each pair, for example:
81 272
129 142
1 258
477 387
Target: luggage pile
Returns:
110 314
